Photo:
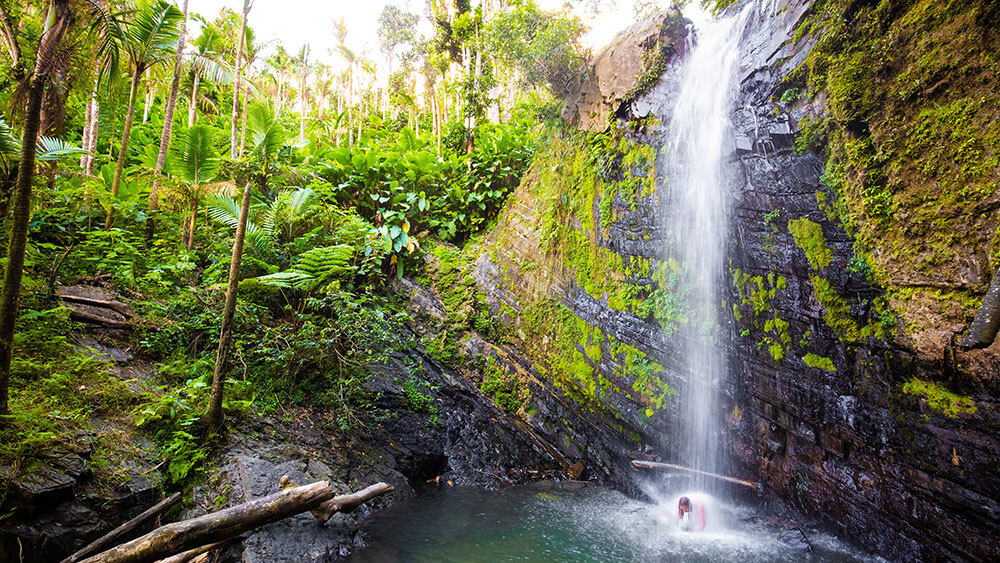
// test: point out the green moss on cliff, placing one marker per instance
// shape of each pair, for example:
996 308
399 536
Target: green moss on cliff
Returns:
809 237
567 347
449 274
644 373
911 136
569 352
819 362
506 389
845 324
758 293
668 302
940 398
579 180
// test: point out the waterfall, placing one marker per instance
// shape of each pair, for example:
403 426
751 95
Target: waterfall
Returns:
697 146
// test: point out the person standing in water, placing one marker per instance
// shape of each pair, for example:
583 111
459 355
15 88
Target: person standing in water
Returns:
690 515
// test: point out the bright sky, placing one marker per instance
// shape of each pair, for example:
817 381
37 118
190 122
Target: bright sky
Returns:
296 22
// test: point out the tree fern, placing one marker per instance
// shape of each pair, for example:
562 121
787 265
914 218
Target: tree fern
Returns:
315 269
265 220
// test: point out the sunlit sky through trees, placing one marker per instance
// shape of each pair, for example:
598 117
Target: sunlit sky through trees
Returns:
294 23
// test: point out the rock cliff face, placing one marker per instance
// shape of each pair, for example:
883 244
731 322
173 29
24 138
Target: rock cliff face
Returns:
842 392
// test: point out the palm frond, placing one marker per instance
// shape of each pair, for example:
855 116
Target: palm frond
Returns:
212 68
153 33
266 136
226 210
298 200
10 145
195 160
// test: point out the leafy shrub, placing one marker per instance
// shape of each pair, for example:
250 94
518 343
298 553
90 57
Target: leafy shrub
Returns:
320 356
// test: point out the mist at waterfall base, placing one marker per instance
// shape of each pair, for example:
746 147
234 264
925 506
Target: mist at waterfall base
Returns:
554 522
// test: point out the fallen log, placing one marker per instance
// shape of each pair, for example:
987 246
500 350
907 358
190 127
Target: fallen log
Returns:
125 528
196 554
344 503
96 319
217 526
674 467
116 306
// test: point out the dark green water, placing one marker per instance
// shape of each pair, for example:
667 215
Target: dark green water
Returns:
552 523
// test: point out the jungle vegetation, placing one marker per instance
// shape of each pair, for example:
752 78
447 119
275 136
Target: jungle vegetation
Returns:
251 204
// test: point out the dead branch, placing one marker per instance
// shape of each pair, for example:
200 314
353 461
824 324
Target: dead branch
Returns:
194 554
125 528
211 528
96 319
674 467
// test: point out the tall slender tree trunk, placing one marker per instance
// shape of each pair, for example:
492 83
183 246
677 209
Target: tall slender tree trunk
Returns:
90 130
236 84
350 106
85 140
193 102
10 41
436 111
189 242
243 124
213 416
95 122
57 21
280 97
146 102
340 116
302 115
123 149
168 124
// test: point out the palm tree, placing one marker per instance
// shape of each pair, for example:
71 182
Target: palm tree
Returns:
280 63
150 38
304 68
352 61
206 62
250 52
108 26
195 163
56 23
266 141
324 88
168 123
247 4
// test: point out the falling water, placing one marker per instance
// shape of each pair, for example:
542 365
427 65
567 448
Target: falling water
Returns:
697 149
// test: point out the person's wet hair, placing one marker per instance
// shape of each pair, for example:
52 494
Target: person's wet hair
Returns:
684 502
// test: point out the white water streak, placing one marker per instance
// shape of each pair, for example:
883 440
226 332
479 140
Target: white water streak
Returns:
700 143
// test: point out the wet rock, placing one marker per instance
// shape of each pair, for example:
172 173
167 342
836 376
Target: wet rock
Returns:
114 354
845 445
42 486
795 539
68 462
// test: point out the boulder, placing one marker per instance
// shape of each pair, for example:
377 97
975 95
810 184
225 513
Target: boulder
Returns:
617 70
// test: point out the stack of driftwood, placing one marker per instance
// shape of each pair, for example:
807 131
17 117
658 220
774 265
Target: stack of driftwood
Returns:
191 540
